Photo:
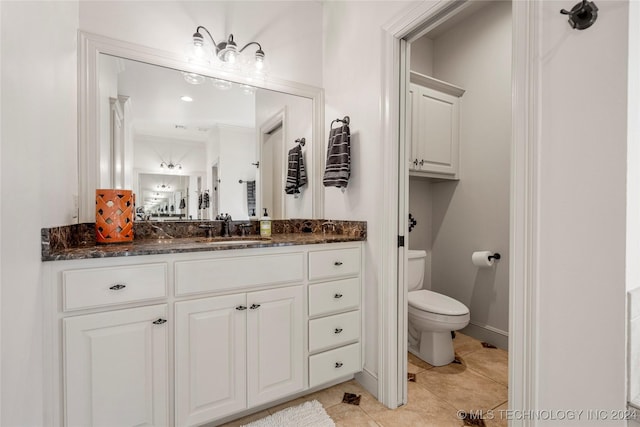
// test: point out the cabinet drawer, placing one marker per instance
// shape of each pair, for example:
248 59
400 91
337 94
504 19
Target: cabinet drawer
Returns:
210 275
332 364
334 263
331 297
334 330
97 287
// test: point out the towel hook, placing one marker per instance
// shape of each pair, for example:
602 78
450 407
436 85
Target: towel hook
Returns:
582 15
301 141
346 121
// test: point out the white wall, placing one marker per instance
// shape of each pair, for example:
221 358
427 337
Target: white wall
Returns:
421 208
289 31
633 150
39 176
473 213
352 83
582 203
422 56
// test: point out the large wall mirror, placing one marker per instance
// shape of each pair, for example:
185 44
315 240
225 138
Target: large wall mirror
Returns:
192 143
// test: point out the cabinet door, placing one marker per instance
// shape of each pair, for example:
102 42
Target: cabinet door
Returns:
116 368
210 358
275 347
436 145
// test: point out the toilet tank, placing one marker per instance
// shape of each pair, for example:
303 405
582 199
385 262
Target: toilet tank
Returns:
416 268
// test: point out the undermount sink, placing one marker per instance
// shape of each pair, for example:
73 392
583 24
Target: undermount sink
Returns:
230 242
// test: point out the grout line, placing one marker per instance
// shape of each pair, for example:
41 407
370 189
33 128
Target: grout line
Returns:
487 377
495 407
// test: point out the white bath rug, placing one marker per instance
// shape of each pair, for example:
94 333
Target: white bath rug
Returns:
309 414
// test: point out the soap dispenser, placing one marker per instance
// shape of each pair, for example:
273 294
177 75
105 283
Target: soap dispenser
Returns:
265 225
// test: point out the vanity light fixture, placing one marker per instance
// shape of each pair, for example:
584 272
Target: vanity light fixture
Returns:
227 52
170 165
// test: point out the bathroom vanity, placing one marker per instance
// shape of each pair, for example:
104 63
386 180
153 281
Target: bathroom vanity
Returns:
199 331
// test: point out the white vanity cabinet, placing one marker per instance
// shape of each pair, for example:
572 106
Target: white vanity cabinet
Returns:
116 368
195 338
237 351
334 314
434 127
115 363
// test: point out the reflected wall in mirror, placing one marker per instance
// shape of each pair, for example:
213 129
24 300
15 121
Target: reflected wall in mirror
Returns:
220 145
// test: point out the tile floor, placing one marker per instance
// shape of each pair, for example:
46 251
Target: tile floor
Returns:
478 384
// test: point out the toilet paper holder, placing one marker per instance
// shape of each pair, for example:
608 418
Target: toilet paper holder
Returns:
495 256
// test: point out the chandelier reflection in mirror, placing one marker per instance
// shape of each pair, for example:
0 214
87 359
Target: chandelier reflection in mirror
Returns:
226 55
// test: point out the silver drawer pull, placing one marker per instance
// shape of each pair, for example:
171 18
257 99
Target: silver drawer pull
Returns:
117 287
339 365
337 263
337 296
160 321
254 306
241 307
337 331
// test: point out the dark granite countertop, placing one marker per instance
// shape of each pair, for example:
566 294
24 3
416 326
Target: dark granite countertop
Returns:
75 242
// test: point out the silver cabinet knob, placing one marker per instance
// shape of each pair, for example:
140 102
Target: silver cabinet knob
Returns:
422 162
160 321
117 287
254 306
339 364
337 330
415 162
337 263
241 307
337 296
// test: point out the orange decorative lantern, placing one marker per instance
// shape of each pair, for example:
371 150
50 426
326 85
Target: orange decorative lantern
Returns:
114 216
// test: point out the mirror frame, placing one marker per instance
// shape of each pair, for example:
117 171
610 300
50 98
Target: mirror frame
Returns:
90 46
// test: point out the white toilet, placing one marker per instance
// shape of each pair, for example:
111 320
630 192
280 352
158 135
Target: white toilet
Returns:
432 317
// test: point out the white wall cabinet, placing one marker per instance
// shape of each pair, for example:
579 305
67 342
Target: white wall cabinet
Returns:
116 368
194 338
434 127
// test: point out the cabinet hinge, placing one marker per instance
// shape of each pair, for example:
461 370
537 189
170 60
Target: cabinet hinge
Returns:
401 241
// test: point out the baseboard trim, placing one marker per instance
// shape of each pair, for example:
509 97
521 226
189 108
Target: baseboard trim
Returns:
489 334
369 381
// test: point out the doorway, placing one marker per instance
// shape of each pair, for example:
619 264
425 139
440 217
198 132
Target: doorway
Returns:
272 167
523 162
457 143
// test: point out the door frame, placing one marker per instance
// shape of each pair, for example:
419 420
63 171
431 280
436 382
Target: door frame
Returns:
277 120
523 267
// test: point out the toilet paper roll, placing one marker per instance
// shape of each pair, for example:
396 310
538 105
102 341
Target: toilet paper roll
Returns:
481 259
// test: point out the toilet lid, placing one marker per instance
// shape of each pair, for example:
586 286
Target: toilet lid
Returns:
434 302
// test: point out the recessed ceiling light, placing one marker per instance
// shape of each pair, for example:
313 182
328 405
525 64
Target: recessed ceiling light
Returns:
186 98
193 78
222 84
248 90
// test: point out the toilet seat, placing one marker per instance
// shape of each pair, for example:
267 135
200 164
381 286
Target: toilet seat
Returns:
436 303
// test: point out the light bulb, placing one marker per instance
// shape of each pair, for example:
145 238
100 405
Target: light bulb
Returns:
193 78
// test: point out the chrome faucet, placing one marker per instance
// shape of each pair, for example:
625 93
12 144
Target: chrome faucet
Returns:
209 229
244 228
